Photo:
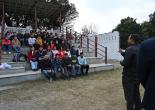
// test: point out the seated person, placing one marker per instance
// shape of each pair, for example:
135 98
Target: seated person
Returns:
40 55
46 69
16 44
69 53
68 65
31 40
75 66
58 66
50 53
73 51
55 51
83 63
39 41
61 53
6 45
31 57
52 45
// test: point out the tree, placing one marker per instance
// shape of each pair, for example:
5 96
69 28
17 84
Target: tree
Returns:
146 29
125 28
89 29
68 14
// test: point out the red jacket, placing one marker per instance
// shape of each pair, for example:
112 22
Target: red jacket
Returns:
6 41
61 54
52 46
31 55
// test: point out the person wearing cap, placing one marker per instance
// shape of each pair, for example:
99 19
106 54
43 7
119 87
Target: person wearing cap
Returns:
83 63
130 80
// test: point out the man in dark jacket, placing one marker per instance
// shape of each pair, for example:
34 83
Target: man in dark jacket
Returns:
46 68
130 77
146 71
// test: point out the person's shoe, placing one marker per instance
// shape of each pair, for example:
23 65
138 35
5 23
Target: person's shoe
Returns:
51 80
9 52
4 52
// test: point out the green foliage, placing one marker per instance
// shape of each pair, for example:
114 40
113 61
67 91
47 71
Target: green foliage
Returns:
125 28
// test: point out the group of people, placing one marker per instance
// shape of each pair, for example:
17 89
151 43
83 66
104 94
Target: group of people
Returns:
13 41
49 52
53 61
138 68
55 54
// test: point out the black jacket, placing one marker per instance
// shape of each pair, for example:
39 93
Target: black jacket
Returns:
46 64
130 62
146 71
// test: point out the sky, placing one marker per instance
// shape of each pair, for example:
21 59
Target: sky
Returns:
106 14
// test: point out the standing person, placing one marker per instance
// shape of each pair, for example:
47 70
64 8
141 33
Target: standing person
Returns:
146 71
83 63
129 76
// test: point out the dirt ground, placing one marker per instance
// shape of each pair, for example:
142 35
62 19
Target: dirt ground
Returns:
97 91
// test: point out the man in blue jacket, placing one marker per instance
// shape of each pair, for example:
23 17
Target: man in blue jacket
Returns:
130 76
146 70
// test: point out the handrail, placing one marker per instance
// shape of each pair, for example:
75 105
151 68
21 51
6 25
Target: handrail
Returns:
96 44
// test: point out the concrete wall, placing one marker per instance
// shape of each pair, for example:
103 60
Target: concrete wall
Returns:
110 40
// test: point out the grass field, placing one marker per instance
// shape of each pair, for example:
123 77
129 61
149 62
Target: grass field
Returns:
97 91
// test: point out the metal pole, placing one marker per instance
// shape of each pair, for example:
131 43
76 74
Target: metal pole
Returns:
36 25
96 42
106 55
81 41
2 31
3 22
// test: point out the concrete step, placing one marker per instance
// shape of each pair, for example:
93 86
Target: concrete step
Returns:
94 60
17 64
12 70
6 59
10 79
100 67
89 54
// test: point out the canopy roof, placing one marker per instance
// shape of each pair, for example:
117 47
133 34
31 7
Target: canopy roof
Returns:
45 9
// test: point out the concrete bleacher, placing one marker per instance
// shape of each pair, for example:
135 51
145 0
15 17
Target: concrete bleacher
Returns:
19 72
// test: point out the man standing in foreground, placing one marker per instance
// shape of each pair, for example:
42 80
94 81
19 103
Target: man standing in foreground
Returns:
146 71
130 76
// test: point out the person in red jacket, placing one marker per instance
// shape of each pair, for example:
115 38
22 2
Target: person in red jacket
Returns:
31 57
6 45
61 53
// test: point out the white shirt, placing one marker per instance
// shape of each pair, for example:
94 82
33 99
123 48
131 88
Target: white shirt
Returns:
31 41
55 52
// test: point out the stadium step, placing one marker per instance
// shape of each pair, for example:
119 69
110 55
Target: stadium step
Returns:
18 77
94 60
12 70
11 79
17 64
